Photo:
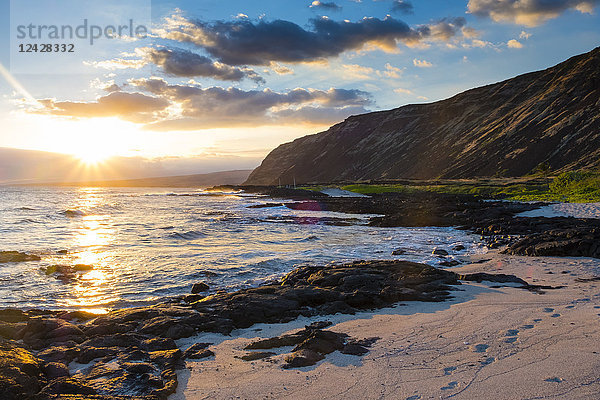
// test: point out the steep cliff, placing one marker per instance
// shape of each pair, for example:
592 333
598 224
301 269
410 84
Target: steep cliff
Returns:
507 128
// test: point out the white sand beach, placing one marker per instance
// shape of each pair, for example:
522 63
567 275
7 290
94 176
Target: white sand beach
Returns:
336 192
577 210
487 343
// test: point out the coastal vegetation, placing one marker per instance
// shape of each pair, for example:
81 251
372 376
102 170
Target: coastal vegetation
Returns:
573 187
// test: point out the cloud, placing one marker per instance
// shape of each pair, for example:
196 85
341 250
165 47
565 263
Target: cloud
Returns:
118 63
422 63
280 69
446 28
403 91
359 72
181 63
135 107
402 7
470 33
109 86
243 42
324 5
184 63
477 43
527 12
524 35
390 72
226 107
318 115
191 107
514 44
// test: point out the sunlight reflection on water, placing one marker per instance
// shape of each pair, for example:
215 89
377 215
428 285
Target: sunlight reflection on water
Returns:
146 244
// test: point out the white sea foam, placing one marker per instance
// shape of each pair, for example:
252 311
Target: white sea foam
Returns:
144 248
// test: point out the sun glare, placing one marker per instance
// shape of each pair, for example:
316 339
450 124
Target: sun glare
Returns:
92 155
101 140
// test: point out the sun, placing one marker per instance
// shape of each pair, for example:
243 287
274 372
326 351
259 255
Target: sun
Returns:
93 142
92 155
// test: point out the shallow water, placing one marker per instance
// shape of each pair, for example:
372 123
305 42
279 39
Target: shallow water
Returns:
147 244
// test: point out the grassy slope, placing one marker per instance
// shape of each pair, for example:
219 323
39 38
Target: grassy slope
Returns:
576 187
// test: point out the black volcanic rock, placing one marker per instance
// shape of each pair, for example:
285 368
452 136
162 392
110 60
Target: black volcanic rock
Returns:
311 345
16 256
20 372
508 128
133 351
561 237
319 290
199 287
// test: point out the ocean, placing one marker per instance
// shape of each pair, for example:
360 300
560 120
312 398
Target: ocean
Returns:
141 245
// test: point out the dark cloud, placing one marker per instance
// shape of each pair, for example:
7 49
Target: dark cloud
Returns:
112 87
191 107
243 42
136 107
445 29
226 107
184 63
319 115
180 63
402 7
527 12
324 5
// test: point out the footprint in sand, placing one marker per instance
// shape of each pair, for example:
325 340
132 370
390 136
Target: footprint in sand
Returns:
480 348
548 310
415 397
450 385
448 370
529 326
488 361
555 315
583 299
570 307
512 335
537 320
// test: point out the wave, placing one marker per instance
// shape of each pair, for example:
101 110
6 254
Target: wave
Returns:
307 220
208 194
73 213
189 235
27 221
309 238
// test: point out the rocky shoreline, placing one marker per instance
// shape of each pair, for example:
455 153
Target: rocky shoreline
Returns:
132 353
496 221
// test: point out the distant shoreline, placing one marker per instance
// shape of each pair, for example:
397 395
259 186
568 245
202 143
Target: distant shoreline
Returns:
234 177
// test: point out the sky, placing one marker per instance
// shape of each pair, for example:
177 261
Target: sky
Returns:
216 85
